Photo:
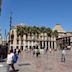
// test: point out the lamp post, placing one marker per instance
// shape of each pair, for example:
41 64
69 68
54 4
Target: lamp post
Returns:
10 28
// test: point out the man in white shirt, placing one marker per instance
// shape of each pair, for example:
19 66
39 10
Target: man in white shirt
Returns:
63 55
10 58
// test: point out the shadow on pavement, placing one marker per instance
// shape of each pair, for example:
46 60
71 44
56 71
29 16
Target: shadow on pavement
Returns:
25 64
14 71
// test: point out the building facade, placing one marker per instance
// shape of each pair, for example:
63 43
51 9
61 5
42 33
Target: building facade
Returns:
0 37
64 38
28 41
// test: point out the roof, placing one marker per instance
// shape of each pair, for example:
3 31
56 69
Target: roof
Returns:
58 28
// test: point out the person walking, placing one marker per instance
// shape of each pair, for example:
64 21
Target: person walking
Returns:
10 58
63 59
50 50
38 52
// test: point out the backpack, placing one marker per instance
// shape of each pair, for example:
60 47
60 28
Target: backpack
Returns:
15 58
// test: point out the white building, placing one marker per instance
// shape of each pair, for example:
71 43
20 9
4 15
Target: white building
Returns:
30 41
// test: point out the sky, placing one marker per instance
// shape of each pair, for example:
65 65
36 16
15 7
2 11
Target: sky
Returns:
36 13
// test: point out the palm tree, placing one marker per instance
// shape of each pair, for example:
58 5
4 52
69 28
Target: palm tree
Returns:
18 30
49 32
49 35
55 33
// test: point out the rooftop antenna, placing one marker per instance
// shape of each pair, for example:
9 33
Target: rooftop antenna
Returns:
10 20
5 35
10 25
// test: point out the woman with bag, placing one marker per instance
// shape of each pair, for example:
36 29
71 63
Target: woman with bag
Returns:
15 57
10 58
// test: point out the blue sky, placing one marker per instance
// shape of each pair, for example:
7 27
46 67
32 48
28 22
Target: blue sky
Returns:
37 12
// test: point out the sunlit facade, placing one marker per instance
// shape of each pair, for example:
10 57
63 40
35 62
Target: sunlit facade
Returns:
30 41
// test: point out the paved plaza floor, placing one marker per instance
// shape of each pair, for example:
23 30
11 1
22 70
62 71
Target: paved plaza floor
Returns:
47 62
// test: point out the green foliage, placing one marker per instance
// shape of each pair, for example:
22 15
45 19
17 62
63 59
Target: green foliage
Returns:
55 33
21 30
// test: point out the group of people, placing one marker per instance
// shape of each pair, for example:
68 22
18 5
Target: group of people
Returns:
36 52
12 58
63 53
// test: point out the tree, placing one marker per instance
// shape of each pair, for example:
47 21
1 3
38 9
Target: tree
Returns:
55 33
18 31
49 35
49 32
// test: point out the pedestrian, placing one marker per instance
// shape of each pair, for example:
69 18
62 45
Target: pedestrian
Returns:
17 51
63 59
50 50
10 58
12 49
37 53
15 56
33 51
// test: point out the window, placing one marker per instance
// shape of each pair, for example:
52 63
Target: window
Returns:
40 36
17 41
30 47
26 36
26 46
21 47
41 43
47 43
44 43
12 35
34 41
17 36
11 41
17 47
50 44
33 47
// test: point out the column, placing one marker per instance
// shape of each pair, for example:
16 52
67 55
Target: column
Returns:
55 45
52 44
49 44
42 44
45 44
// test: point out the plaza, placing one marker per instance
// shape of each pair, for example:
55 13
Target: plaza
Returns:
40 30
46 62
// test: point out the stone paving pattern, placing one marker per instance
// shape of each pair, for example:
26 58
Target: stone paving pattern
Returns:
47 62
